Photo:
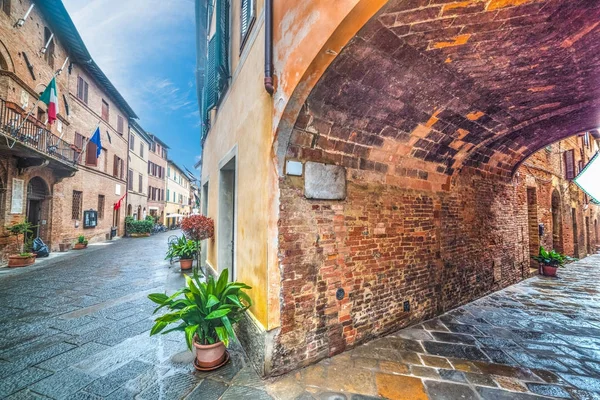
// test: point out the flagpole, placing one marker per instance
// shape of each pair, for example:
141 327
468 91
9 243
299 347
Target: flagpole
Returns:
83 150
31 111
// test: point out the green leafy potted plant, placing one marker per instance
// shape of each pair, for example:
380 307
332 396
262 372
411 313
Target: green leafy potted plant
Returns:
184 250
550 261
24 258
206 313
81 243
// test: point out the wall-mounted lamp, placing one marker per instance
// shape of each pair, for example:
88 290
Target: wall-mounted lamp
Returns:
21 21
43 50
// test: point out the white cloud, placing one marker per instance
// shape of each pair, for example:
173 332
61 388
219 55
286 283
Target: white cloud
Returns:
124 36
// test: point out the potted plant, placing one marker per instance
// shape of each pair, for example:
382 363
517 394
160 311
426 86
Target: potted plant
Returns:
24 258
81 243
197 228
184 250
550 261
206 313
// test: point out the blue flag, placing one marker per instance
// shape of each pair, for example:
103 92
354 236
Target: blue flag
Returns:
96 140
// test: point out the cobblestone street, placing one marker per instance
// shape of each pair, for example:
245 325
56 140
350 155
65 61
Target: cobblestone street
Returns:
77 327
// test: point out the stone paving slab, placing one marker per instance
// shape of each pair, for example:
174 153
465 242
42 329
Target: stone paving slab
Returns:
86 336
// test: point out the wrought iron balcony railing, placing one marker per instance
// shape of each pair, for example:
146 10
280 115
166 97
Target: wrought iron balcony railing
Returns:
32 134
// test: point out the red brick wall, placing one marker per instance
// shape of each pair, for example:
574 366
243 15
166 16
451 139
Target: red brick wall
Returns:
392 241
385 245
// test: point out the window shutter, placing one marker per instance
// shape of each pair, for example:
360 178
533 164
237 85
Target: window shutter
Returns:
247 19
85 92
210 89
90 154
115 166
570 164
222 34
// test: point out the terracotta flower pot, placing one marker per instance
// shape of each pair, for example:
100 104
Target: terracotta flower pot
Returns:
20 261
549 270
79 246
186 264
210 355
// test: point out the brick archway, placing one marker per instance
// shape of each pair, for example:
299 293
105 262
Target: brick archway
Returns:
430 108
446 86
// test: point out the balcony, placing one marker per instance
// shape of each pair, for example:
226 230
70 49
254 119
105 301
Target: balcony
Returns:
33 143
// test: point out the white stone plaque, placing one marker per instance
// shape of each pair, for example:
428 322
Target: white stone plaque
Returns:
24 99
118 189
16 206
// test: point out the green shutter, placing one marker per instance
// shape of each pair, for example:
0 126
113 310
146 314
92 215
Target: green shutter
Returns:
222 35
210 91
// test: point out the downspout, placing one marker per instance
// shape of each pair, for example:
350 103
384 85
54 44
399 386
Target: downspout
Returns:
269 47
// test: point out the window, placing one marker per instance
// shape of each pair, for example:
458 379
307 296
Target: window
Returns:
217 67
149 191
130 179
49 46
142 149
5 6
91 150
247 18
82 89
569 164
131 142
100 206
168 195
118 170
140 187
105 110
120 124
41 115
77 204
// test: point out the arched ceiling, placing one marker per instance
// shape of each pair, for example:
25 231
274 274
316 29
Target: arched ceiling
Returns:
441 84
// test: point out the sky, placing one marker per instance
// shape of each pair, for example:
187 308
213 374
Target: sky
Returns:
147 49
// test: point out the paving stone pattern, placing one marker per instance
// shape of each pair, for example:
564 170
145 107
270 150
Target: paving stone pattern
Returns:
78 329
537 339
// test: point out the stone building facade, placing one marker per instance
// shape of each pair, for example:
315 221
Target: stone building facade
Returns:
177 194
50 173
138 188
383 161
157 172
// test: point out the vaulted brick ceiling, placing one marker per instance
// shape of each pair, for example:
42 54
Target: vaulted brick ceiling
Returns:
476 83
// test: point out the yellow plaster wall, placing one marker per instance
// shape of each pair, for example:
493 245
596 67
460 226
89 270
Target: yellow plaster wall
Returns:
243 120
307 36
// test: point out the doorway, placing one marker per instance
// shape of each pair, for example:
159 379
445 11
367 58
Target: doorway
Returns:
557 243
532 222
588 236
37 208
575 234
226 227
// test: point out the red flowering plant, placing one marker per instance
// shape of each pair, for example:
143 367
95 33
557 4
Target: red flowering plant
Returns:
197 228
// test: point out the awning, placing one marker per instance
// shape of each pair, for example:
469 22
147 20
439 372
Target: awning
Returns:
589 178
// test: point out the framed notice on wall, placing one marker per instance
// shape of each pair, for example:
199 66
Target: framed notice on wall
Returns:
90 219
16 205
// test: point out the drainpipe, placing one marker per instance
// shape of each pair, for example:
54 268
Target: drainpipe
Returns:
269 47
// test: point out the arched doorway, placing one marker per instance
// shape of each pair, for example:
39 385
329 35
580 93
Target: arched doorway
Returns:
129 209
139 213
556 222
37 207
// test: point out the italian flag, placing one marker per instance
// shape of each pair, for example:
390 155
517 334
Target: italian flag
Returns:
50 97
